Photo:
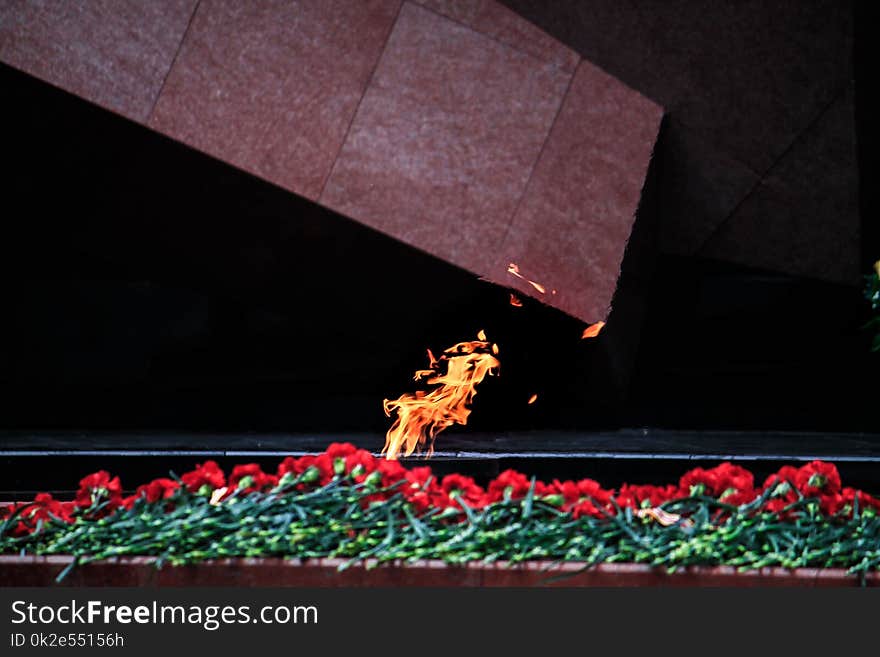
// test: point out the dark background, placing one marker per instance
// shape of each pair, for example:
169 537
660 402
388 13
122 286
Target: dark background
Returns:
146 287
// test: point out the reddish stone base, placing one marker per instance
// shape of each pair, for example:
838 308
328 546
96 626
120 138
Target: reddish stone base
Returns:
140 571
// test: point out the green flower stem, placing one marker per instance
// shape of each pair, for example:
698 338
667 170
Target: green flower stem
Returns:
342 519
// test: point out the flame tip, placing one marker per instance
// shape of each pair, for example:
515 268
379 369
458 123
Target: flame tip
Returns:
593 330
424 414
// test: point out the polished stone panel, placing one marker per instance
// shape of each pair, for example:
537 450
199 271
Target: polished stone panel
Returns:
445 139
271 87
424 120
743 83
115 53
497 21
573 224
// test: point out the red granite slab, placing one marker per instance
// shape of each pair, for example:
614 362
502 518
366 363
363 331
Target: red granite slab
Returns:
445 138
572 226
115 53
271 87
738 98
497 21
325 573
435 119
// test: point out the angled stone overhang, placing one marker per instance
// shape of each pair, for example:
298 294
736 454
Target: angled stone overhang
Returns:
454 126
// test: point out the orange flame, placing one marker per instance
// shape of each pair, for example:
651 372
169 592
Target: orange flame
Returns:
514 301
422 415
513 269
533 399
592 331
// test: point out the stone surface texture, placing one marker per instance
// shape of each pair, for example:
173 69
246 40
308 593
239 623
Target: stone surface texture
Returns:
321 573
454 126
271 87
743 84
575 219
115 53
445 139
497 21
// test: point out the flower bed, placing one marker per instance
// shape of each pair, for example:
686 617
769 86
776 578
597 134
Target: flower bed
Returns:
349 506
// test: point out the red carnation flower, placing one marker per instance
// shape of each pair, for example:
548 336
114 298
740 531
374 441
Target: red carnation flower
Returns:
421 478
786 474
832 503
392 472
584 498
97 487
459 488
43 508
734 478
698 482
360 463
636 497
865 501
776 505
249 478
158 489
739 498
724 478
420 488
340 450
818 478
290 465
543 490
387 475
510 482
206 474
783 488
324 465
321 465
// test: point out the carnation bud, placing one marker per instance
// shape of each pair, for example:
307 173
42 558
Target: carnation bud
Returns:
557 499
311 475
817 480
286 480
357 470
781 489
697 489
205 490
245 482
374 478
339 466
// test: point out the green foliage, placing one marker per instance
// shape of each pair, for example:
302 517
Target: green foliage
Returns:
346 520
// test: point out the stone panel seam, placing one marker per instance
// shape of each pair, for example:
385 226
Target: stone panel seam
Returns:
504 43
183 37
836 98
320 194
534 166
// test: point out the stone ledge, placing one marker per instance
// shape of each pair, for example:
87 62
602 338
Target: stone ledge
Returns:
325 573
